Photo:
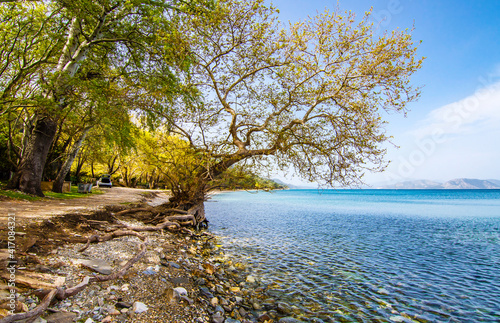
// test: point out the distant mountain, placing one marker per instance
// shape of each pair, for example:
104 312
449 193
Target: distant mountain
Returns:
467 183
494 181
419 184
459 183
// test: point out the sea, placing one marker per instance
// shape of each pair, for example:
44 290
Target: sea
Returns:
368 255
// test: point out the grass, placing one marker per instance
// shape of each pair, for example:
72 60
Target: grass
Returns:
18 195
48 194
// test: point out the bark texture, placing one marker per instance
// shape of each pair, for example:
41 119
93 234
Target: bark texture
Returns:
28 176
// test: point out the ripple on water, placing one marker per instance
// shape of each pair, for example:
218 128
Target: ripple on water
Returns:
362 265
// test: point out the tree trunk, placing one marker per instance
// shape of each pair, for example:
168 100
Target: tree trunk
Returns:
28 176
61 175
79 166
125 176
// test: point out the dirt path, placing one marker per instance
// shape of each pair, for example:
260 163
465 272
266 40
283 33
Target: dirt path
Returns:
26 211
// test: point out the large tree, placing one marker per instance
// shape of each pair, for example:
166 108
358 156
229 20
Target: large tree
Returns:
309 95
60 39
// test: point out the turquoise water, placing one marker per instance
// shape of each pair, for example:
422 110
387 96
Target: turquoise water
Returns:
370 255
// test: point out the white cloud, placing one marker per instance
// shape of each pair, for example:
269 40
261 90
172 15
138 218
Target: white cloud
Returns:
455 140
477 112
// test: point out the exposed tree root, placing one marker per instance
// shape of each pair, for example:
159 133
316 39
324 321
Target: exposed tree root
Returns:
115 234
161 226
128 211
172 218
175 211
37 311
61 294
157 217
183 218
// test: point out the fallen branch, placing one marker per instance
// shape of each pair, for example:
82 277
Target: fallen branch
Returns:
37 311
61 294
65 293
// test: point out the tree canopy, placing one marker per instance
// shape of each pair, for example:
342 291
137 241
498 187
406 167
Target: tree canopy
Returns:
309 95
62 56
228 84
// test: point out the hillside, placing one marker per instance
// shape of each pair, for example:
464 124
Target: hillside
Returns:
459 183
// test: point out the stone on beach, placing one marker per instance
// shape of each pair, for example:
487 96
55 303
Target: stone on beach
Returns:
180 291
61 317
139 307
99 265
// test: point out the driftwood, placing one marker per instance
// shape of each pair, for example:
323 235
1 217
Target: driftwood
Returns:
37 311
194 216
61 294
35 280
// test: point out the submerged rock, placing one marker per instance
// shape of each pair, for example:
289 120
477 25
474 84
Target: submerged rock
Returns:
289 320
284 308
217 318
219 309
250 279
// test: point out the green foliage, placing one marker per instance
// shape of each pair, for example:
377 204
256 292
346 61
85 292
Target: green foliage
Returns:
308 95
85 64
236 178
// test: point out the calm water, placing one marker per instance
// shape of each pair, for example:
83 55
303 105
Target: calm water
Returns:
370 255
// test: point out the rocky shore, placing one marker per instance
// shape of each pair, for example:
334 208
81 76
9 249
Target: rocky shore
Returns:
181 278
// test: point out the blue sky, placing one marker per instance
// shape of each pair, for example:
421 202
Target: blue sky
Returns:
454 129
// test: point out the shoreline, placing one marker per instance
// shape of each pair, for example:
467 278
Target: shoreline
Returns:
213 287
